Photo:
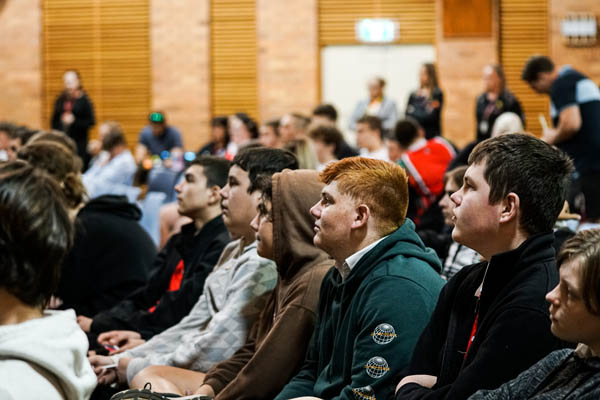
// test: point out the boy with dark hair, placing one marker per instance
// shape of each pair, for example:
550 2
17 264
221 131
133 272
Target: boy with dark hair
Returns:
369 138
425 162
327 141
42 353
575 112
325 114
180 269
234 292
491 321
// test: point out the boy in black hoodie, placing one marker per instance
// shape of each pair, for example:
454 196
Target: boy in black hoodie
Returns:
491 321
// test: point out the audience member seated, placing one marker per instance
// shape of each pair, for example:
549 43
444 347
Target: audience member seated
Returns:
157 137
243 130
111 254
425 162
42 353
269 134
376 301
234 293
179 270
276 346
326 141
113 165
491 320
575 112
326 114
495 100
73 113
425 104
369 138
458 255
219 135
574 314
377 105
293 127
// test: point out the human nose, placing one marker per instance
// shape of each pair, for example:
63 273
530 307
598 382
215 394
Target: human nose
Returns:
552 296
456 197
254 223
224 192
315 210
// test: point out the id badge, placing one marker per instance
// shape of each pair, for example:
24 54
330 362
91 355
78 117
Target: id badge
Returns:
483 126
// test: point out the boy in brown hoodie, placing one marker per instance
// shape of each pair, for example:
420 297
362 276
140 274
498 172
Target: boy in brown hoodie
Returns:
276 345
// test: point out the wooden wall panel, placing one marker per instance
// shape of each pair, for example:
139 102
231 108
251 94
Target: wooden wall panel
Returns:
467 18
233 57
524 31
108 42
337 19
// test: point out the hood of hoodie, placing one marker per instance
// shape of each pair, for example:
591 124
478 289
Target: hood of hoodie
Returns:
56 344
113 204
294 193
404 242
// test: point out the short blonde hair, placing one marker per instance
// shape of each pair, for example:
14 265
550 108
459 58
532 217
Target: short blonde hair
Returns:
381 185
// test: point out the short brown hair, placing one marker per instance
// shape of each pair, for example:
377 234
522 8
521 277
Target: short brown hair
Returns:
61 164
373 122
537 172
381 185
114 137
585 246
328 135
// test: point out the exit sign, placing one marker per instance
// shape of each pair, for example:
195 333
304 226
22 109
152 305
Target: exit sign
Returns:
376 30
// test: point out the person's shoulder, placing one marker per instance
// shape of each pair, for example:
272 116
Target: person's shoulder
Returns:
146 132
22 380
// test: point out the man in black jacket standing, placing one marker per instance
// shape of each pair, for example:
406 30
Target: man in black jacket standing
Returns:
491 321
181 267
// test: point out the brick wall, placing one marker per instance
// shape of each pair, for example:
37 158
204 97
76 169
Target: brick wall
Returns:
20 68
180 66
288 64
585 59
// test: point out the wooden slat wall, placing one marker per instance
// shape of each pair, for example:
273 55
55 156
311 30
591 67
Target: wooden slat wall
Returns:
337 19
524 31
233 57
108 42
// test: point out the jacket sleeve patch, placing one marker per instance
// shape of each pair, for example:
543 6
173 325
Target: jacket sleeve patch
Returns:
377 367
383 334
364 393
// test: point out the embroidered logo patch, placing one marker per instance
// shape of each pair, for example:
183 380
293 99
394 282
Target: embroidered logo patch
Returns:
377 367
383 334
364 393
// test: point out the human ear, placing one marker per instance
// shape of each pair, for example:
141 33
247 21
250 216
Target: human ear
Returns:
510 207
214 196
361 216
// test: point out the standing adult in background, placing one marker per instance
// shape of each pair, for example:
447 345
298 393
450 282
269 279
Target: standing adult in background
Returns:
425 104
74 114
326 114
219 134
495 100
376 105
575 111
157 137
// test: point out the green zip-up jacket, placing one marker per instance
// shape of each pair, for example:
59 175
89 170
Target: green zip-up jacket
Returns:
369 323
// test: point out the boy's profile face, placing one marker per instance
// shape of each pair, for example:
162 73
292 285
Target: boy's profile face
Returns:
262 224
476 221
239 206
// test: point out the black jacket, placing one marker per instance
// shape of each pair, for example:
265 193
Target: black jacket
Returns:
513 326
487 112
200 252
110 257
427 111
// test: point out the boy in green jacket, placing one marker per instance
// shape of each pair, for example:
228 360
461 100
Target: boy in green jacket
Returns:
376 301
